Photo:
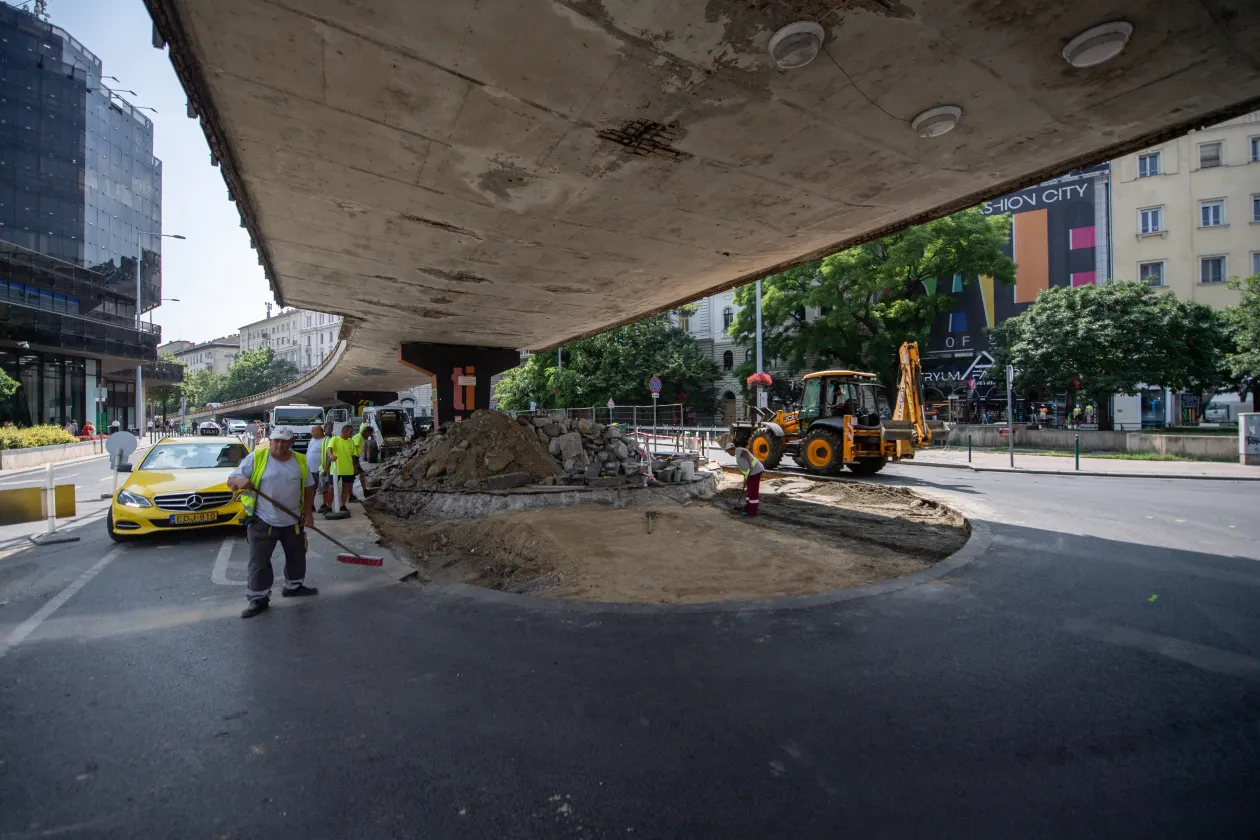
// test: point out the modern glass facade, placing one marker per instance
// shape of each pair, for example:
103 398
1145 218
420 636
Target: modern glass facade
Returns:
80 205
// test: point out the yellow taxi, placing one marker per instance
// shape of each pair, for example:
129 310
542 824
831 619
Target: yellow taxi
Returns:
180 485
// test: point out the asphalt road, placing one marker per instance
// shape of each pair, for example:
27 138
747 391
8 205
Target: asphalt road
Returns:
1094 672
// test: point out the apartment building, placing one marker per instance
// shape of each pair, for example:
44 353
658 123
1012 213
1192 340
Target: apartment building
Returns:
216 355
1186 213
318 336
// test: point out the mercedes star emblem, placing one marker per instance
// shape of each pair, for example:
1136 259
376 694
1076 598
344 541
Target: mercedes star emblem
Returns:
194 501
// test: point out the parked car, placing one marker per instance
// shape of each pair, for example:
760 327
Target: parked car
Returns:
181 484
234 426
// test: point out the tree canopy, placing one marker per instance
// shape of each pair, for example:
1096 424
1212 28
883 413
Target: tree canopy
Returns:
252 373
1244 322
872 297
1111 339
616 364
8 385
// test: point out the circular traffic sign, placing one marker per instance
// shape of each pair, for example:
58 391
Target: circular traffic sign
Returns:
120 443
654 384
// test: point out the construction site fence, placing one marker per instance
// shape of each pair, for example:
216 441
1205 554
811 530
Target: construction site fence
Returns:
670 415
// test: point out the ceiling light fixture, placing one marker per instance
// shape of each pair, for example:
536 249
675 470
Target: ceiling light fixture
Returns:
1102 43
937 121
796 44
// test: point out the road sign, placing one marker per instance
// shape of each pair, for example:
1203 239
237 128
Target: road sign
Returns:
654 385
656 395
1004 431
120 445
611 404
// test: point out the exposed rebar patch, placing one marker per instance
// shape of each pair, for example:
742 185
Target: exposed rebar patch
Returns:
645 137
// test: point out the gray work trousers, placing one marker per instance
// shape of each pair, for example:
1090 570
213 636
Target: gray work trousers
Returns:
262 544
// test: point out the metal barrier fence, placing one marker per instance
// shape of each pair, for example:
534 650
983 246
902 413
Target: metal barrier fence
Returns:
671 415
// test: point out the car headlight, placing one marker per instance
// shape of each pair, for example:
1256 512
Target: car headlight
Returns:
129 499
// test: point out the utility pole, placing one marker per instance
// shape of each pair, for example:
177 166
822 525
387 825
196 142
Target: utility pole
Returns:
1010 412
761 393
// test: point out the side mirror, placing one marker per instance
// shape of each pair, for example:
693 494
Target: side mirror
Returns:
124 467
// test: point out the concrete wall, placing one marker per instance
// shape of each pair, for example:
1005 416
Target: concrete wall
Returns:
37 456
1213 447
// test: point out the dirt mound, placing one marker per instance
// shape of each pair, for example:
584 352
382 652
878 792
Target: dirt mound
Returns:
467 455
695 552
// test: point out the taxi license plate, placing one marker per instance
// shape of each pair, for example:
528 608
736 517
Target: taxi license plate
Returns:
193 518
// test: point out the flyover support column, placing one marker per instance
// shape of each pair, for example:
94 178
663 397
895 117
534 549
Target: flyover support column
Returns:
461 374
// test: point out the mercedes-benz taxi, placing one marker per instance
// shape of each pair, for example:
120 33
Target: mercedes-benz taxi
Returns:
181 484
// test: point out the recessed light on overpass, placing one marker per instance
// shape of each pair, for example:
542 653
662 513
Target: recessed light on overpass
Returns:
1094 46
796 44
937 121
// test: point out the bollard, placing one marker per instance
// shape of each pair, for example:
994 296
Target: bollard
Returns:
968 449
337 512
1078 452
50 502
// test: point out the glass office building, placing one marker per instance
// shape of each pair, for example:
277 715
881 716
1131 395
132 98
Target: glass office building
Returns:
80 206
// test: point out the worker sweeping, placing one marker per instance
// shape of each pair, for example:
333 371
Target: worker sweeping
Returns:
752 470
279 474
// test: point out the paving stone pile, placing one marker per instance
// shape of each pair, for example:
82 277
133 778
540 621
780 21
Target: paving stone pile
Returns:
491 451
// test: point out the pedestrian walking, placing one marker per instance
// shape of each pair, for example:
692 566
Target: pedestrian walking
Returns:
281 474
752 470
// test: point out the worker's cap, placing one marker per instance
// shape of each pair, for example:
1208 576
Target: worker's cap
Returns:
281 433
726 443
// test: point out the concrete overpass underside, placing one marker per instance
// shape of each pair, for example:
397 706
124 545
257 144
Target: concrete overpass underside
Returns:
518 173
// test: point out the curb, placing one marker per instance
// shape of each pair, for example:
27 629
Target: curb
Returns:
1087 473
42 467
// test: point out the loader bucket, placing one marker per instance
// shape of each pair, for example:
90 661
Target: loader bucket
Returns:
935 426
894 430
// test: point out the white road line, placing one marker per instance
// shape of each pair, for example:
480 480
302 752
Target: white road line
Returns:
219 574
29 626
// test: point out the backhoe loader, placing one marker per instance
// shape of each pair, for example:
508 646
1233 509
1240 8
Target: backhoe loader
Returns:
839 422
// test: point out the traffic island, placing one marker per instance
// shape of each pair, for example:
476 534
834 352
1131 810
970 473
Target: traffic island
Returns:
670 544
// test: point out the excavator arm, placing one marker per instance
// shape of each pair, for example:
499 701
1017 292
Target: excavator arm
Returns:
910 394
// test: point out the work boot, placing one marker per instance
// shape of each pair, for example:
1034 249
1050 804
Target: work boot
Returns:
324 508
299 591
255 607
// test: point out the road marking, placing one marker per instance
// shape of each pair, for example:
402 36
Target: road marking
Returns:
219 574
1199 656
29 626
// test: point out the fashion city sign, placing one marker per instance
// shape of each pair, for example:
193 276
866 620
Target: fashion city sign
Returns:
1034 198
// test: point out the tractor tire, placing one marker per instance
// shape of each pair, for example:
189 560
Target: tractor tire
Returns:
823 452
766 447
868 466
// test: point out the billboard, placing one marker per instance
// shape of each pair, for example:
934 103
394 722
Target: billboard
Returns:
1052 241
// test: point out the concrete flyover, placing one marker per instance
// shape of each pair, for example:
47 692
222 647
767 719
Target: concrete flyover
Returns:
519 173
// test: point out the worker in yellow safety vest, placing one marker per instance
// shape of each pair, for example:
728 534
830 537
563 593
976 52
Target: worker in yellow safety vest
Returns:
752 469
343 462
280 474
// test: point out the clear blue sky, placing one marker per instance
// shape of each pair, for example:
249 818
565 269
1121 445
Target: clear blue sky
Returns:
214 273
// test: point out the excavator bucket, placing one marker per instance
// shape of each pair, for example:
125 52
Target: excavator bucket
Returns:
894 430
935 426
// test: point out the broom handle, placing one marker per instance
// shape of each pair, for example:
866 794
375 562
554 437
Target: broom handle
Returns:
332 540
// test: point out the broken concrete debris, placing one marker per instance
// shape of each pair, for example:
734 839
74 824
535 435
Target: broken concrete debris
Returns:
491 451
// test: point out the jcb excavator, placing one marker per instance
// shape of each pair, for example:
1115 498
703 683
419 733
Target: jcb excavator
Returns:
839 425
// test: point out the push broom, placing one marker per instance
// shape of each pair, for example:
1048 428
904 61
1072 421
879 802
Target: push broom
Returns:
349 557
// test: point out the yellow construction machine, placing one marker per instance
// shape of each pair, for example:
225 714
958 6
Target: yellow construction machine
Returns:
839 423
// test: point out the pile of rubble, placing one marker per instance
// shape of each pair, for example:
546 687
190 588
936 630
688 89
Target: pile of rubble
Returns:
491 451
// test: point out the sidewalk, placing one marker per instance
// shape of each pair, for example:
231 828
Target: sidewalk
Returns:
1055 465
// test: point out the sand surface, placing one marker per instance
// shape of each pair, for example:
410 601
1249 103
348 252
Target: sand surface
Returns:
811 537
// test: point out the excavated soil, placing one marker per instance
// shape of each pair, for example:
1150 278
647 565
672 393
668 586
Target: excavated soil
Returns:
810 537
487 443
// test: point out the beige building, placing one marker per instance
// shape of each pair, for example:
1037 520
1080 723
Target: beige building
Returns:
319 334
215 356
1186 213
281 332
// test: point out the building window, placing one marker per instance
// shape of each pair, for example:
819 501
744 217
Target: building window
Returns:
748 355
1151 273
1255 149
728 360
684 323
1151 220
1148 165
1210 155
1212 270
728 318
1212 213
1255 208
1255 262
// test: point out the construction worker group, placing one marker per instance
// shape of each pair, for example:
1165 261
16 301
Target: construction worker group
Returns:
339 461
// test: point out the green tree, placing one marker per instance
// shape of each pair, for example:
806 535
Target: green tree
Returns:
1110 339
1244 321
254 372
616 364
872 297
202 387
166 396
8 385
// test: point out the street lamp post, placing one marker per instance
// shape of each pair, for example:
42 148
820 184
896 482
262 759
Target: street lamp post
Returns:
140 324
761 394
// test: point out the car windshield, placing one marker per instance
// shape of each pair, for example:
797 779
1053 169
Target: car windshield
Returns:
194 456
299 417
